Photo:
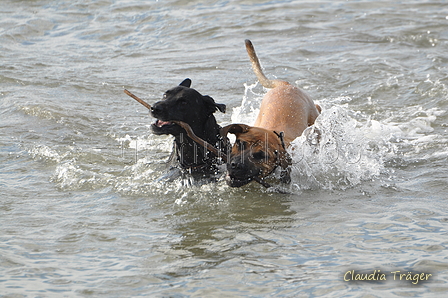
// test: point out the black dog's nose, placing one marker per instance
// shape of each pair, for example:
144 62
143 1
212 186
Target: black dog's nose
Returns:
155 109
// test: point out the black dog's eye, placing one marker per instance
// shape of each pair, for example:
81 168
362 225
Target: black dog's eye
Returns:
258 155
166 94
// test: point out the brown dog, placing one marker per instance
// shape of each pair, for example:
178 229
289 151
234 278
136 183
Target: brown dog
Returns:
285 112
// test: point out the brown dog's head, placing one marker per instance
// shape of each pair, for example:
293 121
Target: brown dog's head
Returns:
256 152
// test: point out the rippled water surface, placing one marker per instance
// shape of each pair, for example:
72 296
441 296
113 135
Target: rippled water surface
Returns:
83 212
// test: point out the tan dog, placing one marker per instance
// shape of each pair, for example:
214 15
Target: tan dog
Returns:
285 112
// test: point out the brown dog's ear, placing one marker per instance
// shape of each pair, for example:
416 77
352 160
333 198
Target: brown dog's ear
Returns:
186 83
236 129
212 106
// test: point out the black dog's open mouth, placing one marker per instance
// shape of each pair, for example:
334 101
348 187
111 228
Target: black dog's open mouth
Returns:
237 182
162 127
161 124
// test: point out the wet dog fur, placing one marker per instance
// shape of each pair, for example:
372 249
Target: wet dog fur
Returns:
285 112
185 104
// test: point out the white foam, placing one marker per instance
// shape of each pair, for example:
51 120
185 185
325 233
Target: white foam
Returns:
343 149
44 152
142 143
337 152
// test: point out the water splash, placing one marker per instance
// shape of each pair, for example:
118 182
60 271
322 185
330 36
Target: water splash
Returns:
345 148
248 111
338 152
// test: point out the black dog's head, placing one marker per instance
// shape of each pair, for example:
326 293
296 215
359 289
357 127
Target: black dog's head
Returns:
183 103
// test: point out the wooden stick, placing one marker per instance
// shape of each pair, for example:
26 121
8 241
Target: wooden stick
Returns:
200 141
148 106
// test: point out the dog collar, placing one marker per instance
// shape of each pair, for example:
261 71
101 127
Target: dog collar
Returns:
281 137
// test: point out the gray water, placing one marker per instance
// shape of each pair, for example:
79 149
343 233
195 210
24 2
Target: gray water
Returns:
83 212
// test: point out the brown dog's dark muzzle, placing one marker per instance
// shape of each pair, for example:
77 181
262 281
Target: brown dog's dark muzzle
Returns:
240 171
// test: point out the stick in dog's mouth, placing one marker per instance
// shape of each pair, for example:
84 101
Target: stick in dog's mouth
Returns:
159 123
195 138
147 105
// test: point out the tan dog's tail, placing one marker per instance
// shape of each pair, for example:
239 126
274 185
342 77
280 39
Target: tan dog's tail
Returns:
257 67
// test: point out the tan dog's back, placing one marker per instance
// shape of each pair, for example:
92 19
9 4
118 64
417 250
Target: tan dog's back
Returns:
285 107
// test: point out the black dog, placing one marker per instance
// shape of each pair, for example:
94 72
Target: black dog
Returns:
185 104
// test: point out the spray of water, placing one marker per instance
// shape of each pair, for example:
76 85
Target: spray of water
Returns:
343 149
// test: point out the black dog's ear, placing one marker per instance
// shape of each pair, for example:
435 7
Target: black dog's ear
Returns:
212 105
186 83
221 107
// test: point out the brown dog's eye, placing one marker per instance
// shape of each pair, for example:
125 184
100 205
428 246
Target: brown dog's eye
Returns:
258 155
